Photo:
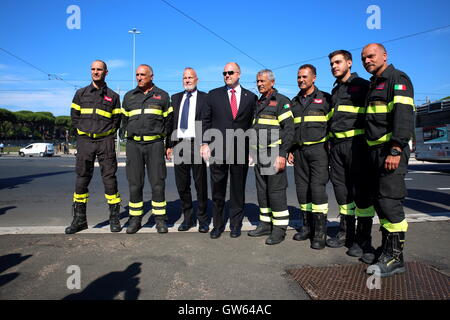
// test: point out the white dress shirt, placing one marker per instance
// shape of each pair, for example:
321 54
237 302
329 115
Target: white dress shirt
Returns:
190 131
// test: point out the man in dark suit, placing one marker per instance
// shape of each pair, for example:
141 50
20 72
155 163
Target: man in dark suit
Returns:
187 108
228 108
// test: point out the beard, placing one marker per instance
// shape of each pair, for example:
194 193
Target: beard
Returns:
189 87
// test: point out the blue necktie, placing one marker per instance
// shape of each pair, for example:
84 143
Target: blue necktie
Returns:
185 112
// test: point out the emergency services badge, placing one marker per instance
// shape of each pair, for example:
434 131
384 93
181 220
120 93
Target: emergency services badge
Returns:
109 99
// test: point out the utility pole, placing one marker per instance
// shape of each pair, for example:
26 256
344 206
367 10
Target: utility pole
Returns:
134 32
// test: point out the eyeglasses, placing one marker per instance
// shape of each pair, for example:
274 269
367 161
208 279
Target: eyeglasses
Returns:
230 73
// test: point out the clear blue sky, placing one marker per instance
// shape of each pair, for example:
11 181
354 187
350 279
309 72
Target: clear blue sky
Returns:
274 33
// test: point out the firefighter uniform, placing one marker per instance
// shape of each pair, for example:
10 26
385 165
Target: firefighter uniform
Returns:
96 116
273 125
311 116
146 120
349 166
390 121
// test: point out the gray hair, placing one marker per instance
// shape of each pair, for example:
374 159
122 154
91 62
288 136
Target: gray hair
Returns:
269 73
146 65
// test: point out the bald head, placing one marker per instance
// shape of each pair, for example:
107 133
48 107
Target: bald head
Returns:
374 58
232 74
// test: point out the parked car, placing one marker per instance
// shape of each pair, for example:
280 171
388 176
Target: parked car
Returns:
38 149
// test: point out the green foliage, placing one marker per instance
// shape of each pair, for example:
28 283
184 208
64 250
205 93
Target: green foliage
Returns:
27 124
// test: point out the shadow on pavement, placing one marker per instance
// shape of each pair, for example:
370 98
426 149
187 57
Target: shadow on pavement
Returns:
12 183
3 210
420 200
111 284
8 261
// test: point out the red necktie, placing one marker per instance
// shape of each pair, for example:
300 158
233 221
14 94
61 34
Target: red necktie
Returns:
233 103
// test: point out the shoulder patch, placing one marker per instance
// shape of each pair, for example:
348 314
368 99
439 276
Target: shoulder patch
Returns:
286 106
380 86
318 101
400 87
273 103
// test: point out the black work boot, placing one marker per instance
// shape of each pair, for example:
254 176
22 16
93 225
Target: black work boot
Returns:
362 247
305 231
320 231
114 221
346 234
134 224
263 229
277 235
391 260
79 218
161 226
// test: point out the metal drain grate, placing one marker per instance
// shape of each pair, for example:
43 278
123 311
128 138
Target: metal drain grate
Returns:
350 282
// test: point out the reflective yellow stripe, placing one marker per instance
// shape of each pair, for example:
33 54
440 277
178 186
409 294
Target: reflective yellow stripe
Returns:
112 196
306 207
153 111
403 100
83 198
280 222
347 209
159 204
125 112
280 214
351 109
298 120
103 113
395 227
383 139
166 113
265 210
314 142
278 142
378 109
116 111
330 114
315 118
135 204
285 116
113 201
367 212
265 218
348 134
147 138
159 212
254 121
86 110
75 106
134 112
96 135
320 208
271 122
136 212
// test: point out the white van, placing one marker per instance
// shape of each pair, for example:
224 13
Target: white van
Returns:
38 149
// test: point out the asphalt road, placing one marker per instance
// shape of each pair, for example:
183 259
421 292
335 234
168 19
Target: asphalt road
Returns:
38 192
36 255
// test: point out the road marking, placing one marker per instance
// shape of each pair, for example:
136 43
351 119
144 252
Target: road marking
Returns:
427 172
246 226
443 188
408 179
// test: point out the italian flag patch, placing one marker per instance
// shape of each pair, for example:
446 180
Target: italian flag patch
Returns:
400 87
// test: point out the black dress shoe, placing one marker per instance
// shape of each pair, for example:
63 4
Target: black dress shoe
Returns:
215 233
235 232
184 227
203 228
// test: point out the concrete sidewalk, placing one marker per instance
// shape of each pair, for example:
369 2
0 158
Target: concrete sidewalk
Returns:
181 265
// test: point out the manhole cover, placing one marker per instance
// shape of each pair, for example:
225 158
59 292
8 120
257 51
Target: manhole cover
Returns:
350 282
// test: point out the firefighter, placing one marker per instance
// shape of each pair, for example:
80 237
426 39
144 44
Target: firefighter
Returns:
95 113
349 158
389 126
311 109
273 126
146 121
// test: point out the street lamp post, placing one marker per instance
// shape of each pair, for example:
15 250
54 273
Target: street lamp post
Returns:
134 32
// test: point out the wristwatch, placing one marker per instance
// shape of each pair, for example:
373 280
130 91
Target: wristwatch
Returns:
395 152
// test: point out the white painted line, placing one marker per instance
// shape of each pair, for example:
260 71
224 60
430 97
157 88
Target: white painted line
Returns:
443 188
427 172
408 179
414 217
